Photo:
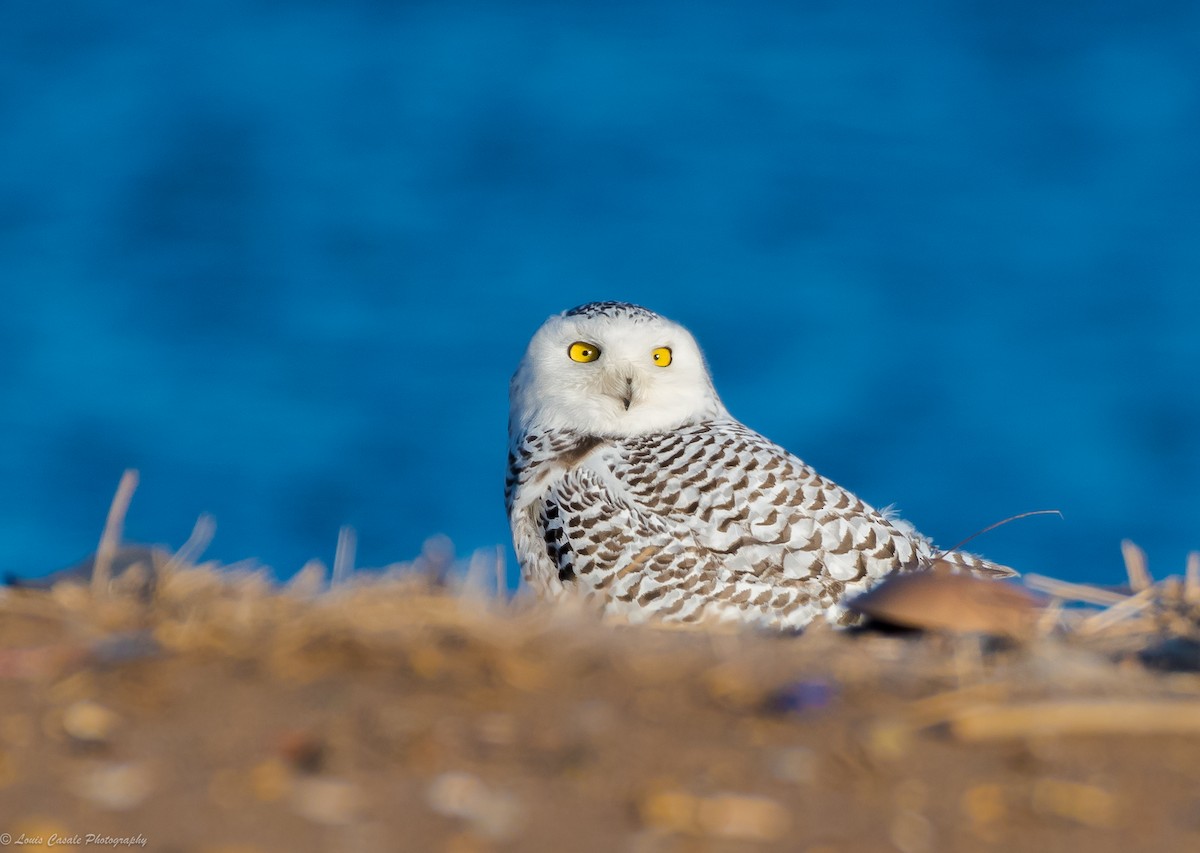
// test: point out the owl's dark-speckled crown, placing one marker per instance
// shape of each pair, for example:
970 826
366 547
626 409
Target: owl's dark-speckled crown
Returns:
611 309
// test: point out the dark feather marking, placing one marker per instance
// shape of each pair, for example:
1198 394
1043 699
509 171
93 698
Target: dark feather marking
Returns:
844 544
674 607
785 535
740 515
571 456
647 597
813 544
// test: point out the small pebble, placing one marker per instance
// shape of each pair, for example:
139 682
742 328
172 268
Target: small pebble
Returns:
594 718
729 686
522 674
911 794
801 697
330 802
743 818
796 765
302 749
889 740
493 814
1075 801
73 688
984 804
670 810
912 832
90 723
270 780
497 729
114 786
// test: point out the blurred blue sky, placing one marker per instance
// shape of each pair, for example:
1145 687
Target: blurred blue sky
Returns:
283 257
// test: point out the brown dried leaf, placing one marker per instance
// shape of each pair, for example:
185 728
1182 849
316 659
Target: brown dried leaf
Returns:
937 601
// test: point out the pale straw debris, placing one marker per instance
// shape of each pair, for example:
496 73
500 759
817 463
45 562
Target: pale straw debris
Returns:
110 539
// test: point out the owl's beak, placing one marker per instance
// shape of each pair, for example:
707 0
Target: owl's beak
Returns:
618 384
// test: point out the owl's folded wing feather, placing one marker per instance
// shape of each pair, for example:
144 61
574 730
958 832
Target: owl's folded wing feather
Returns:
711 519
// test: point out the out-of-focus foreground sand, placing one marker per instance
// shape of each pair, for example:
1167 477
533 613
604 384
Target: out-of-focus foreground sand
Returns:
218 712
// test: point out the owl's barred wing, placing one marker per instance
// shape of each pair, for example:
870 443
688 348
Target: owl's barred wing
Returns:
961 561
709 520
639 563
762 511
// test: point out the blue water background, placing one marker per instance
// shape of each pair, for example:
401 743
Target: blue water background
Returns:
283 257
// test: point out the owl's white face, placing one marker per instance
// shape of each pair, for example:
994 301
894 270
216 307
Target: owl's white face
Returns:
611 369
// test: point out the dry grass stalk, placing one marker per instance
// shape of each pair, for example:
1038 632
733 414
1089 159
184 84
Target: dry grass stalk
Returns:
1144 625
1050 618
1078 717
1135 566
189 553
1191 588
1119 612
110 539
993 526
343 556
1073 591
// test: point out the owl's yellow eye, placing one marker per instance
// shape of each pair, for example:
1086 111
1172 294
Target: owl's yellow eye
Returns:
583 353
662 356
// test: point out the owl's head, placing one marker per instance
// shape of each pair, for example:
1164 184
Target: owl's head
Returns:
611 369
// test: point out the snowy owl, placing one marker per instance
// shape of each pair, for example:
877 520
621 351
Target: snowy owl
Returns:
630 484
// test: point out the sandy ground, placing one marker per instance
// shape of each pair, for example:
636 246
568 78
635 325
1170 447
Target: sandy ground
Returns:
216 712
